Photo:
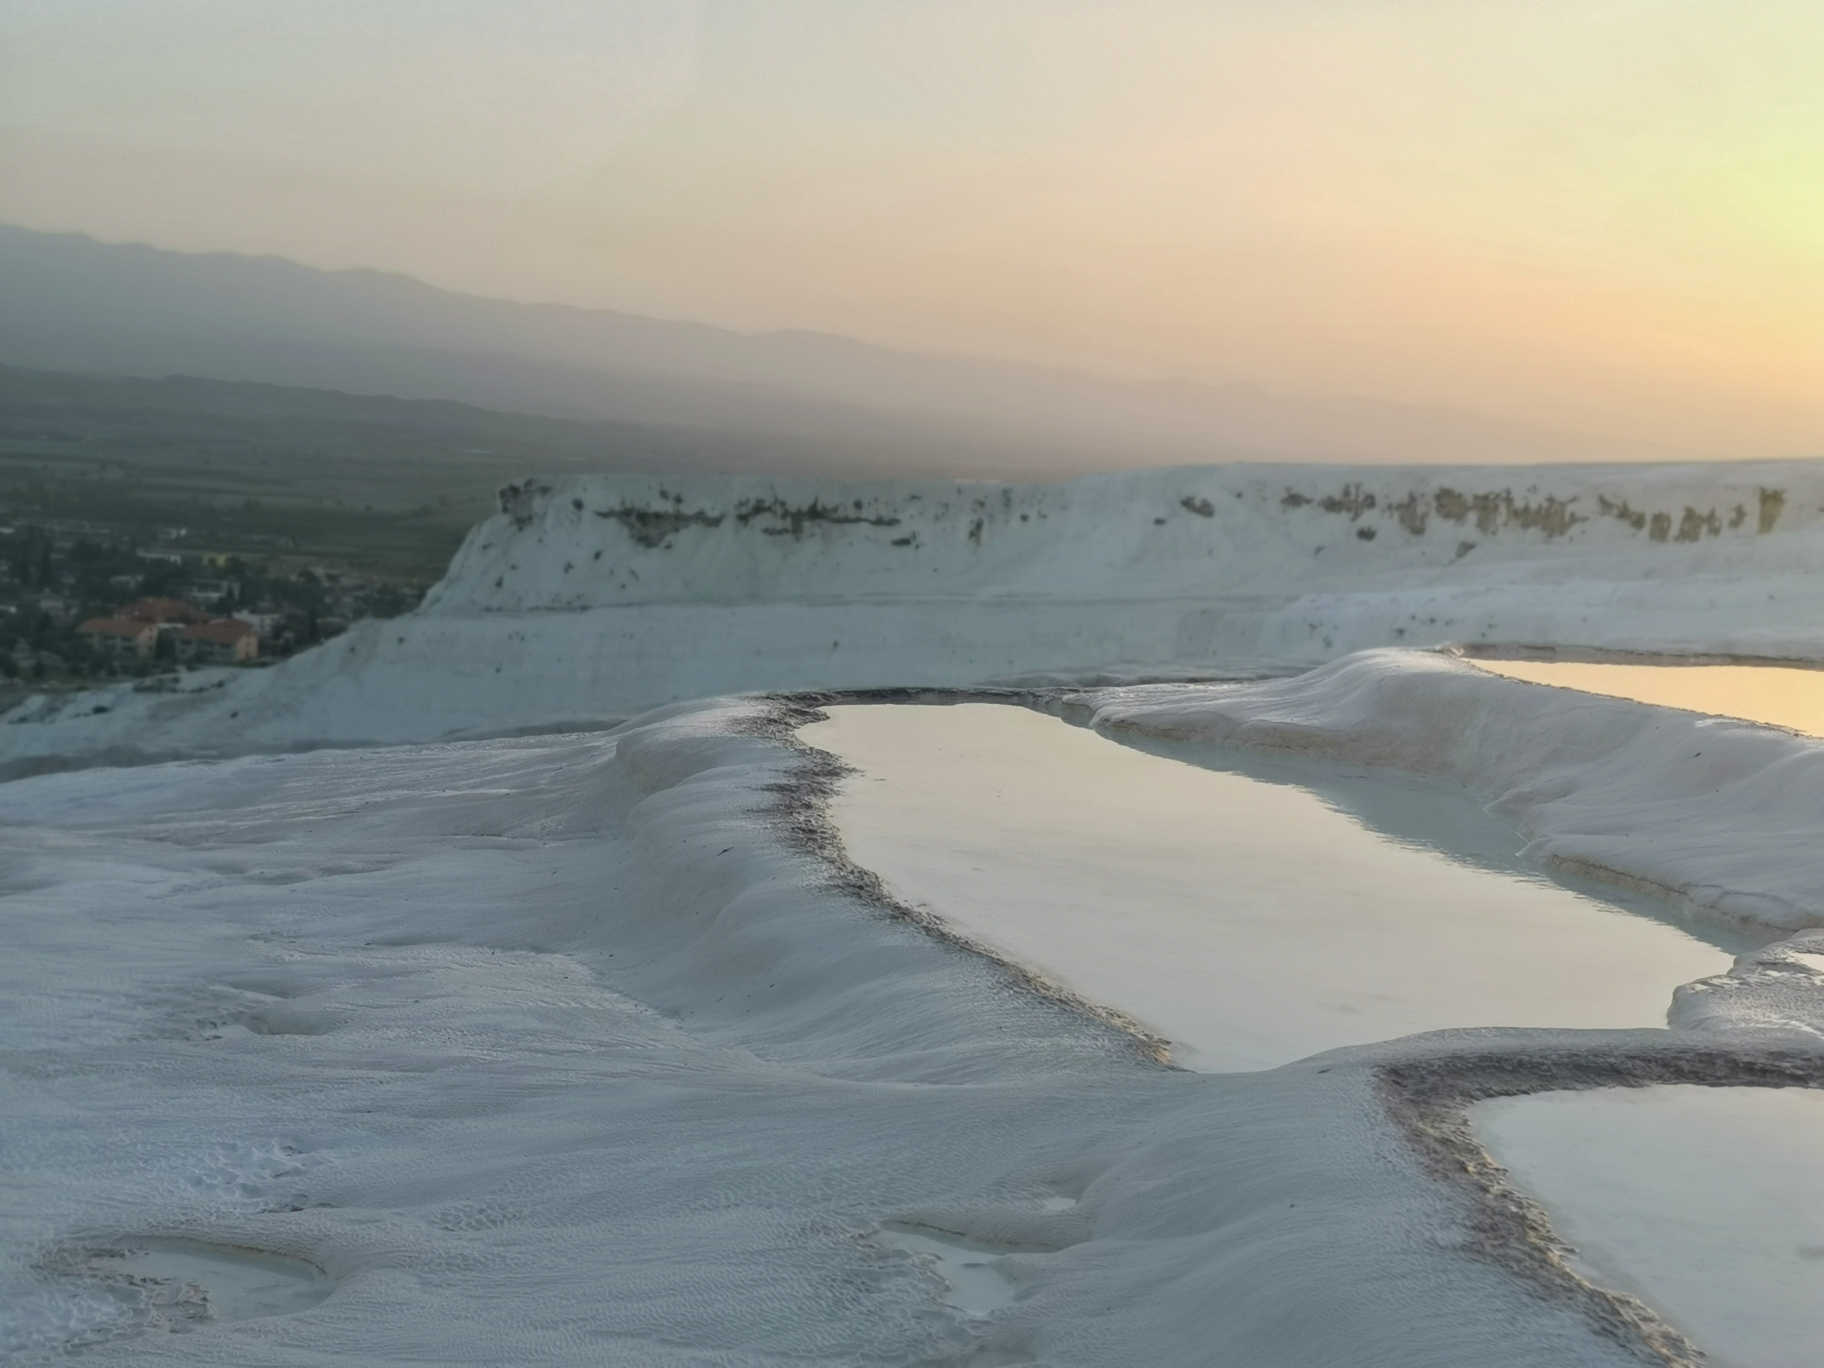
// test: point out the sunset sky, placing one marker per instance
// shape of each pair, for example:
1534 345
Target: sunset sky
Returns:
1596 214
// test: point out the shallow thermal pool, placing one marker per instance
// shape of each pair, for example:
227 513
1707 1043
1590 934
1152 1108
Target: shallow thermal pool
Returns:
183 1282
1706 1203
1778 695
1250 922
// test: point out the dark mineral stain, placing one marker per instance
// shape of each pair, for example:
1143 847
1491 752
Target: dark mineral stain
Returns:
1772 502
654 527
1693 525
520 501
1412 513
1354 501
1620 511
1493 511
795 518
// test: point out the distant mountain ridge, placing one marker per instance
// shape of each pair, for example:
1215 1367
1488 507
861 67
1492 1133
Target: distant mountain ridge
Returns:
70 303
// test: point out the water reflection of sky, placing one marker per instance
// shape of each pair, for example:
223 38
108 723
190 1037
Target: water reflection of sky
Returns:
1775 694
1707 1203
1251 922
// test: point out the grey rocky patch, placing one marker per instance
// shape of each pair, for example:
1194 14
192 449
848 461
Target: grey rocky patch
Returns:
1491 511
795 517
655 527
1621 511
1353 500
1773 501
1413 513
1693 525
520 502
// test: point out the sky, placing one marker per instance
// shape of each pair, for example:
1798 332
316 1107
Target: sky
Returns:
1604 215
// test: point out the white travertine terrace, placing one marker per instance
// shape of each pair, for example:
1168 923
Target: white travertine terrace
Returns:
596 597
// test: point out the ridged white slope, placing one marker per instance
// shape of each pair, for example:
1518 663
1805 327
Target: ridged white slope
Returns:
554 1051
601 595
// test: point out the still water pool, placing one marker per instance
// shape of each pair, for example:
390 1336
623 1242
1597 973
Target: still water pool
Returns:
1778 695
1706 1203
1250 918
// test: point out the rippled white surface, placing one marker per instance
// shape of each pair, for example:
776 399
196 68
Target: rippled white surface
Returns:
1707 1203
550 1051
336 1059
1249 922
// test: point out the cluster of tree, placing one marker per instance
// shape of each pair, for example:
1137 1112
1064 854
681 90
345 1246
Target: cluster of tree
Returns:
51 583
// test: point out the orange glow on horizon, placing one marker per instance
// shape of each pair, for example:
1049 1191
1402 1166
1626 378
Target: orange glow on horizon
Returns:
1602 216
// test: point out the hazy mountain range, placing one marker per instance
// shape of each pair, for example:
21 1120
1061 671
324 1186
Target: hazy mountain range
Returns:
810 400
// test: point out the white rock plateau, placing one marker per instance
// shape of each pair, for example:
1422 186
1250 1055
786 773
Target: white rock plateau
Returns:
597 597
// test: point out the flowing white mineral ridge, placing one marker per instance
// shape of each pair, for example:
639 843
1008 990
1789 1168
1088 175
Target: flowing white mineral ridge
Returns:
419 1007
